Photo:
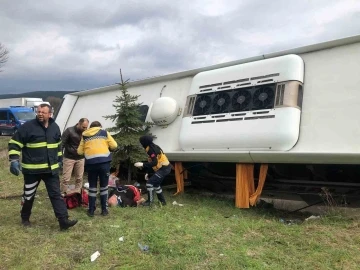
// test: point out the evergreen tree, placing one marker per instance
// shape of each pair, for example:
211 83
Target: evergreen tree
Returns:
128 128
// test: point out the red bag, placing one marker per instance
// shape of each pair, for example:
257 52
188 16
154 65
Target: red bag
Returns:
76 199
72 200
84 198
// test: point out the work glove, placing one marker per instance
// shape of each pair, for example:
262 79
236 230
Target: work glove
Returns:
146 177
139 165
60 164
15 167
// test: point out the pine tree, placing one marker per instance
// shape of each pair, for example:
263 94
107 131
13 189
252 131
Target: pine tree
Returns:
128 128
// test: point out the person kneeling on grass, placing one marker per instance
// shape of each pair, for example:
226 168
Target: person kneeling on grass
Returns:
159 163
96 145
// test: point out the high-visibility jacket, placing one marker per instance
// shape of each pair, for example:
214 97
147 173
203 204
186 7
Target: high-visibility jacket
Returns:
40 147
156 157
95 145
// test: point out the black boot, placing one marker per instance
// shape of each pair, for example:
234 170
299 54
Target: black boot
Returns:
25 222
91 209
26 209
104 205
149 200
161 198
66 223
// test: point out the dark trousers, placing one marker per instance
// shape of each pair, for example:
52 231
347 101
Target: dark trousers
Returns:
154 183
98 171
52 183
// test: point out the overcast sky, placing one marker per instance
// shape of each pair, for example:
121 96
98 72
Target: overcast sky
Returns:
78 45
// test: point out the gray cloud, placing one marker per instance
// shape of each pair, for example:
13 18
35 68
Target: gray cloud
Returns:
87 14
77 45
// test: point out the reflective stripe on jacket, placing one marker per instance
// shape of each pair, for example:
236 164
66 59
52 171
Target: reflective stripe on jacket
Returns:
40 147
155 151
95 145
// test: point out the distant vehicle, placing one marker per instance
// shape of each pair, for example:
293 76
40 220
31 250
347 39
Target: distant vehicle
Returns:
13 117
32 103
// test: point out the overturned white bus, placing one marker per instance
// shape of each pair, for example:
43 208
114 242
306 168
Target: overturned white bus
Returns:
296 110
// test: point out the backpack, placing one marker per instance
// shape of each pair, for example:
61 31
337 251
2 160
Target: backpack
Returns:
76 199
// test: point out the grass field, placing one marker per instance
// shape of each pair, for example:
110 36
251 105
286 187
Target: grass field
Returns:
206 233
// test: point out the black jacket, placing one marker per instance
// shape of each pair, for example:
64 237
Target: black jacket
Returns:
40 147
156 158
70 142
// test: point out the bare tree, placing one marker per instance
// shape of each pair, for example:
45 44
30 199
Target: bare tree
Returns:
4 55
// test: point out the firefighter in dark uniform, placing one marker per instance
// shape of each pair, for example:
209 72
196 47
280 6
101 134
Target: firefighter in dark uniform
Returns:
157 162
39 141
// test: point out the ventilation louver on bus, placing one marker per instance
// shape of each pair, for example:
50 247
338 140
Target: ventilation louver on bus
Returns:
236 100
251 107
221 103
241 100
264 98
202 105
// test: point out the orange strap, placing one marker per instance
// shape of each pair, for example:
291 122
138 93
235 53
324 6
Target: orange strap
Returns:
262 177
245 188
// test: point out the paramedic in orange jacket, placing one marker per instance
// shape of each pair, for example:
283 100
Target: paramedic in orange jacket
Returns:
159 163
96 145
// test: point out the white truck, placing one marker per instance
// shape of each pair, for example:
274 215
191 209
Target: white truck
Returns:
32 103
